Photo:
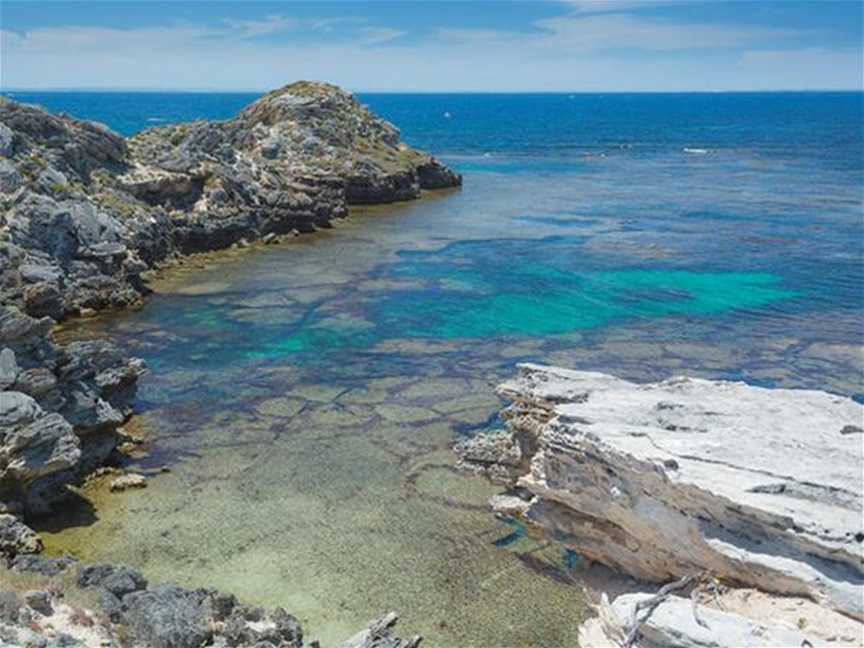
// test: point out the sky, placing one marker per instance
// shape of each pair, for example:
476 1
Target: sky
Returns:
433 46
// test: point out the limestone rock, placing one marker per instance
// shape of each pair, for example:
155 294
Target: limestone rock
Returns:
379 634
755 486
673 623
127 482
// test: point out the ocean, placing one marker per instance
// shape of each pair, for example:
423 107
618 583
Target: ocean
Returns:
305 396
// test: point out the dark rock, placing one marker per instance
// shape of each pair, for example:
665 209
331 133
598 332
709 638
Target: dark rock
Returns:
39 601
118 581
42 565
17 538
44 299
166 616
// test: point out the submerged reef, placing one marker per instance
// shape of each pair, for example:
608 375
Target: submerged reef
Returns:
715 485
85 214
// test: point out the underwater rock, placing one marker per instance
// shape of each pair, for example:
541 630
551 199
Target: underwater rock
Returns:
754 486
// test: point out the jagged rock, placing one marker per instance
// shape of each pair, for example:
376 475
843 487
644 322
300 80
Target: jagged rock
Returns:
755 486
8 368
42 565
166 616
119 581
17 538
33 444
496 456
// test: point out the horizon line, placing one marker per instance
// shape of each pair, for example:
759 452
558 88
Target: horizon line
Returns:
144 90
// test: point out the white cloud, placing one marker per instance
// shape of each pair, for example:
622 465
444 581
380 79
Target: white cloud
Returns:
571 52
270 25
618 6
575 33
376 35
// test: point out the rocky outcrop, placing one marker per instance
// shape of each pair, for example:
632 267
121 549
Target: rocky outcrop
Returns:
60 408
84 213
132 613
756 487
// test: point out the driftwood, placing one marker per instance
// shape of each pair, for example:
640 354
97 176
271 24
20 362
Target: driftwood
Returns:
652 604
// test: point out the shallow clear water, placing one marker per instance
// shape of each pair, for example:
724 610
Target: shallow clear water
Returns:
305 395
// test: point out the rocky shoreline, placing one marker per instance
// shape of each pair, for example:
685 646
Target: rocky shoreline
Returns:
715 488
85 214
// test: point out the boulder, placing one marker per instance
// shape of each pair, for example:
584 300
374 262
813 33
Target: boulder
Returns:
758 487
17 538
674 623
167 616
117 580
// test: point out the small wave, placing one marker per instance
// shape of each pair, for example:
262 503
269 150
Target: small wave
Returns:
155 119
447 115
696 151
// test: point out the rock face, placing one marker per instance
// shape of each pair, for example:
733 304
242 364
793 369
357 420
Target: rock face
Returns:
757 487
59 410
84 212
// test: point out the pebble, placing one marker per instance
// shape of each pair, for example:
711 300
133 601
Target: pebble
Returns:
132 480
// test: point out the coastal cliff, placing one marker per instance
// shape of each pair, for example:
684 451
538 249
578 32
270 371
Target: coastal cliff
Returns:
712 482
86 213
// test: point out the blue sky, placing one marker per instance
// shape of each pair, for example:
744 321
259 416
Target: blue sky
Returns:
575 45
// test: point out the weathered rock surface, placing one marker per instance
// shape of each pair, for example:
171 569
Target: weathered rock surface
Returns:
131 613
379 634
673 623
85 212
757 487
59 410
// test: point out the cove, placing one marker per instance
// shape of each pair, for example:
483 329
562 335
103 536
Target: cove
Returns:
305 396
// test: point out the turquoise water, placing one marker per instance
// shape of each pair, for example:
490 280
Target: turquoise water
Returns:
305 395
